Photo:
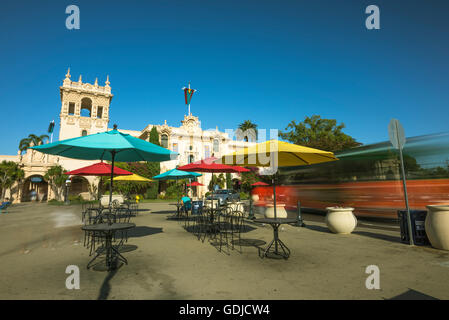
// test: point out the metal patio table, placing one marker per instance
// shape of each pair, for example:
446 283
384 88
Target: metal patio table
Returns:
275 223
178 207
108 230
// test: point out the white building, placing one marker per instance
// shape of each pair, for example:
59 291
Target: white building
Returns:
85 110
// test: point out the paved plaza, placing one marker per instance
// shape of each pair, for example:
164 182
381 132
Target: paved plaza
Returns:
39 241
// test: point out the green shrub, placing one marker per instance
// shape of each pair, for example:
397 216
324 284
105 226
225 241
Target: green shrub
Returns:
75 198
151 192
244 196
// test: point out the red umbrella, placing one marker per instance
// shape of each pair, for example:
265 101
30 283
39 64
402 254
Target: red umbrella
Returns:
99 169
195 184
208 165
260 183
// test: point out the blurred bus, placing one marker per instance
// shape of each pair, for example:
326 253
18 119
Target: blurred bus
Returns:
368 178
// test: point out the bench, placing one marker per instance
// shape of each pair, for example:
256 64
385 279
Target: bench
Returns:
4 206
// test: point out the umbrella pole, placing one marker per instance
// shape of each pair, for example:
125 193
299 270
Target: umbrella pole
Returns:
112 178
274 195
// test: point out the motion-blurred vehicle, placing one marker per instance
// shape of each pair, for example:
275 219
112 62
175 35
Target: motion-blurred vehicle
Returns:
368 178
225 195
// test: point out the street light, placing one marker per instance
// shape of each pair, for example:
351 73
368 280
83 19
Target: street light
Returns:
67 185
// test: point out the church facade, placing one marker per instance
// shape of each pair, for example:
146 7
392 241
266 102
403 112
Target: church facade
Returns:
85 110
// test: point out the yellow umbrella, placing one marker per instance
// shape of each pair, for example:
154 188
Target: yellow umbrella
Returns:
133 177
274 153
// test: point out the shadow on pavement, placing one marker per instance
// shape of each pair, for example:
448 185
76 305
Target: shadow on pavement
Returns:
413 295
106 287
143 231
318 228
164 212
379 236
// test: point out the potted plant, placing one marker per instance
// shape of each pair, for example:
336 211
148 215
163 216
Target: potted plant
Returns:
437 226
341 220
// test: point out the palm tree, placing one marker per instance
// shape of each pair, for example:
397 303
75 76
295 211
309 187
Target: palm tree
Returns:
26 143
248 129
38 140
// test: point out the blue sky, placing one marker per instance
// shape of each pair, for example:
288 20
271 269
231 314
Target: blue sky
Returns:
267 61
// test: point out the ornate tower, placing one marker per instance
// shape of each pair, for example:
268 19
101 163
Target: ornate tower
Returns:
85 107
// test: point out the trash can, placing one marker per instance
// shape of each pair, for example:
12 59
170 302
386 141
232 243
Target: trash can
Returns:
197 206
418 218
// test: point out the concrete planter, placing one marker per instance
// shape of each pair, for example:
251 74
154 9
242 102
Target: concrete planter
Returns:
437 226
340 220
280 211
105 199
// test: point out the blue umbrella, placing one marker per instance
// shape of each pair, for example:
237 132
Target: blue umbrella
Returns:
112 146
175 174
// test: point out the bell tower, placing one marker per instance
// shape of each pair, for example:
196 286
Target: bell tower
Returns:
85 107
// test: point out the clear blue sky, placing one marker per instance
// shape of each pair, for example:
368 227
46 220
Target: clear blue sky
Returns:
267 61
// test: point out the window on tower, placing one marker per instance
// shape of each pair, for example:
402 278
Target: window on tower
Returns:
99 112
86 107
71 108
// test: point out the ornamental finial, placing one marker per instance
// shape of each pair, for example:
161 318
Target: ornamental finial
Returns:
67 76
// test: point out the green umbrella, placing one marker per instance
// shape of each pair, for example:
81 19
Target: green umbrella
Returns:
112 146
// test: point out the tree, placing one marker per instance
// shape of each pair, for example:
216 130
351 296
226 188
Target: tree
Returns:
32 139
217 180
10 172
228 181
323 134
154 136
248 129
56 178
248 178
154 167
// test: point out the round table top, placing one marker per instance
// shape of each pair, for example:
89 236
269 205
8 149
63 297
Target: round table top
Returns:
275 221
108 227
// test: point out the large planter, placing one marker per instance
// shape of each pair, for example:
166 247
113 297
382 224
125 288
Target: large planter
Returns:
280 211
115 197
340 220
437 226
255 197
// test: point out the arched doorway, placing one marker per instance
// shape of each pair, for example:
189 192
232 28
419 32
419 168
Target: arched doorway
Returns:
35 188
79 187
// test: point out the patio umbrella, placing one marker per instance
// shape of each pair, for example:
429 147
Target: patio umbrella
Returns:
132 177
98 169
175 174
195 184
208 165
260 183
110 145
273 154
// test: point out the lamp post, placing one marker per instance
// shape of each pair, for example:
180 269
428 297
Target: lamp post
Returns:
67 185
